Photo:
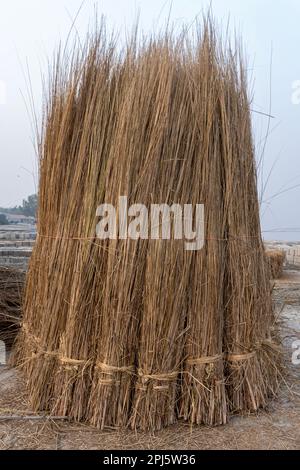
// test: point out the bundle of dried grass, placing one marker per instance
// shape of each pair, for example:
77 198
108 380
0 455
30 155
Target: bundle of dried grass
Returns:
140 332
275 260
74 147
162 321
203 399
11 295
252 356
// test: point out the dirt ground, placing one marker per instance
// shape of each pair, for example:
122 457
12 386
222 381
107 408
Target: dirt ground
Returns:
278 427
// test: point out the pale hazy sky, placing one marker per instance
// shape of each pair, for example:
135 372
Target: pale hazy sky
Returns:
30 30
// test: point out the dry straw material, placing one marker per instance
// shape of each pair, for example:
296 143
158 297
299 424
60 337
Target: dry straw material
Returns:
11 295
143 332
252 358
275 261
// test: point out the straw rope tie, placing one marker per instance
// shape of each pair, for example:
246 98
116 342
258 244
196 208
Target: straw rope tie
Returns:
110 370
72 362
165 377
241 357
67 360
49 353
37 344
232 238
44 353
213 359
109 382
204 360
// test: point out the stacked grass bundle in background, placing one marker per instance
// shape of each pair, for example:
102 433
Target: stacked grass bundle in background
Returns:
275 262
11 295
143 332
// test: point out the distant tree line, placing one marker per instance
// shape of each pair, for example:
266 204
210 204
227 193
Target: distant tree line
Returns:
28 208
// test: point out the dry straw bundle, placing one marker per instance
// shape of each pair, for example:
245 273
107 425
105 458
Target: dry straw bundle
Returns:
252 357
275 261
142 332
11 293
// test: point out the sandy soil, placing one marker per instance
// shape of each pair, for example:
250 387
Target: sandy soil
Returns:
278 427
